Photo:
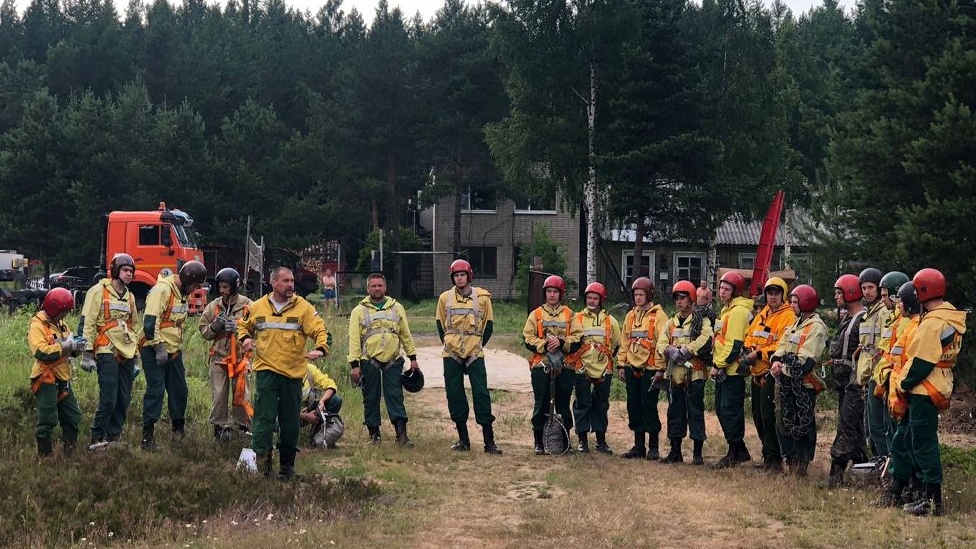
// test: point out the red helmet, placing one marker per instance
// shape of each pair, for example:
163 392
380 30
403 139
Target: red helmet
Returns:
684 287
553 281
462 266
643 283
736 280
929 284
598 289
851 286
806 297
57 301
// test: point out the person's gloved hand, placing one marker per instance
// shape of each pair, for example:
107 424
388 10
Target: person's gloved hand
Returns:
672 352
67 345
88 361
161 355
136 367
218 326
230 325
684 354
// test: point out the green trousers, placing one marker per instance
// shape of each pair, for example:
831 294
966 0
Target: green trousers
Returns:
902 466
385 381
278 400
591 404
161 379
686 410
642 397
457 401
923 438
764 415
50 412
114 394
730 397
541 390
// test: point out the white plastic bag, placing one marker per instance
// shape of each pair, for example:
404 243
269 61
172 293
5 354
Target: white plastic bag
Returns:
248 461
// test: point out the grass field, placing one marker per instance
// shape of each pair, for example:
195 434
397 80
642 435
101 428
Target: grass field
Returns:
189 495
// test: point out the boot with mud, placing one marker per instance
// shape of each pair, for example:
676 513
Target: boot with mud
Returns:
696 453
584 443
835 478
463 443
930 505
601 443
674 456
488 434
638 451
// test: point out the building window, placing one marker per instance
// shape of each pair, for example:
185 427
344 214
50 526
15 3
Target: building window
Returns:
484 261
478 200
627 265
689 266
535 201
747 261
149 235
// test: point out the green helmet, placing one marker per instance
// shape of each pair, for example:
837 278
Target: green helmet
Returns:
893 281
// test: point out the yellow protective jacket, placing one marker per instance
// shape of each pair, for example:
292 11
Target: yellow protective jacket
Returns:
167 303
641 331
731 327
937 340
236 308
600 341
318 379
899 358
110 325
678 333
463 319
378 331
871 342
543 322
894 326
50 362
280 337
807 339
765 333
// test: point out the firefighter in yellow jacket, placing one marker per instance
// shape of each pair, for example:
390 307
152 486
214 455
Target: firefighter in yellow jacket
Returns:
928 381
594 368
729 376
378 329
901 467
320 393
870 352
551 333
637 366
893 325
108 322
465 323
277 328
228 370
797 384
681 347
763 337
162 353
51 345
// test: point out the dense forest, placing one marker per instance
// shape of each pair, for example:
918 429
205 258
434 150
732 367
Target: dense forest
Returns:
668 114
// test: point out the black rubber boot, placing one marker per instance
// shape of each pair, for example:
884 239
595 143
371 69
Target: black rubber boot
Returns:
801 468
892 497
400 428
652 447
584 443
44 447
539 448
179 432
836 476
287 470
601 443
149 437
463 443
374 434
269 464
728 460
696 454
488 433
742 453
930 505
218 431
70 441
638 451
674 456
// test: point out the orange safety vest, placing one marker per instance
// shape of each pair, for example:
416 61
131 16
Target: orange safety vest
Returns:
101 339
236 369
938 399
576 359
47 376
540 330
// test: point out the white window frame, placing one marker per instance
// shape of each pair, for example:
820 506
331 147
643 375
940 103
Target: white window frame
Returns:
743 255
704 266
624 254
466 204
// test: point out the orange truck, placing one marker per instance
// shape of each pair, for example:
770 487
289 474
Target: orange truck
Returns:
156 240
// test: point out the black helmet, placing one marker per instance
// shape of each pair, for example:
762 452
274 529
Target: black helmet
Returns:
412 380
871 275
909 299
192 272
120 260
231 277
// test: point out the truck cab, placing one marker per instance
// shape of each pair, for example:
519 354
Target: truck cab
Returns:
158 240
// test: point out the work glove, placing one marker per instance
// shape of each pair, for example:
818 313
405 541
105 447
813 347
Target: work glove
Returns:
88 361
230 325
685 354
218 326
67 345
162 356
672 352
136 367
